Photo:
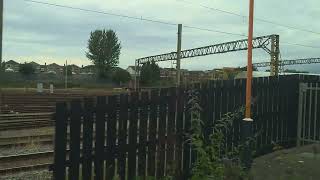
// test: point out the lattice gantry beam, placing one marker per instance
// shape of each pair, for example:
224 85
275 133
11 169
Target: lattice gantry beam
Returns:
239 45
290 62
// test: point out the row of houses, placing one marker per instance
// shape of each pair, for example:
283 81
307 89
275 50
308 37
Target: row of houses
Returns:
194 76
165 73
13 66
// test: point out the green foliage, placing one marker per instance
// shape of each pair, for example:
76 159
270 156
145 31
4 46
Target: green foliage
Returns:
121 76
26 69
150 73
104 51
213 161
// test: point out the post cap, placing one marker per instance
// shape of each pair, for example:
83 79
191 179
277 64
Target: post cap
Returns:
248 119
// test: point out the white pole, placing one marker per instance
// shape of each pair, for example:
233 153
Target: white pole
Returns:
66 75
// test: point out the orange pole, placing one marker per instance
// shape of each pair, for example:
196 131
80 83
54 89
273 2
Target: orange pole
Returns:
249 66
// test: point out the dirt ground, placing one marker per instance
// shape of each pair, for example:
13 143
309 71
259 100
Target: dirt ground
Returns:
300 163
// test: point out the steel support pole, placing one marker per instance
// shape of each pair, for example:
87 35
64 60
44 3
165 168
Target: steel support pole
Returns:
135 76
275 51
179 54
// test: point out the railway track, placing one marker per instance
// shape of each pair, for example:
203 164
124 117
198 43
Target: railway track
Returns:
25 120
6 142
25 162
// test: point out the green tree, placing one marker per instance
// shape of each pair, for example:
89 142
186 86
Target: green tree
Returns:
150 73
121 76
104 51
26 69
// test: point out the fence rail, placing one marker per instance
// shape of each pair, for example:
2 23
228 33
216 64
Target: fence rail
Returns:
144 133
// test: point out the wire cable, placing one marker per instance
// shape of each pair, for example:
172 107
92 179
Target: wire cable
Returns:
154 21
244 16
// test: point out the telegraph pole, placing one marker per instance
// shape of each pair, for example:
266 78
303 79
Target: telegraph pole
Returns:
247 121
179 54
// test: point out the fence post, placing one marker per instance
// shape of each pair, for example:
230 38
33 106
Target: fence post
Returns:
61 117
302 89
246 134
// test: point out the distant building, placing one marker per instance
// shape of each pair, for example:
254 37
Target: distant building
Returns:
132 71
54 67
36 66
90 69
243 74
75 69
12 66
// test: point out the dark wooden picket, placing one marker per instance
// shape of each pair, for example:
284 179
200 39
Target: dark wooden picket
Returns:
143 123
133 124
162 134
111 136
152 133
100 138
171 139
60 147
179 131
145 133
75 128
122 141
87 139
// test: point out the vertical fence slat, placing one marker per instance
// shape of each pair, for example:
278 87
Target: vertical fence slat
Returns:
152 133
87 139
143 122
100 138
274 111
317 112
179 131
75 127
61 117
236 123
186 145
123 122
133 135
162 133
171 141
111 136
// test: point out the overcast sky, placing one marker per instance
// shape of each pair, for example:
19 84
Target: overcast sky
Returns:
40 33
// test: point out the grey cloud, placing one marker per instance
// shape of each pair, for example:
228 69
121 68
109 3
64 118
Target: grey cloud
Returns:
37 30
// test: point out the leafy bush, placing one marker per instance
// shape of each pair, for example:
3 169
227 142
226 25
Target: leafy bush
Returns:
212 159
150 73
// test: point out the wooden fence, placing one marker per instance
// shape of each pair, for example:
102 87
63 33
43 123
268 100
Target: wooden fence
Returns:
143 134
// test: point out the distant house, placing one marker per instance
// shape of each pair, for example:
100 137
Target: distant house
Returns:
168 73
90 69
12 66
75 69
132 70
55 67
243 74
36 66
